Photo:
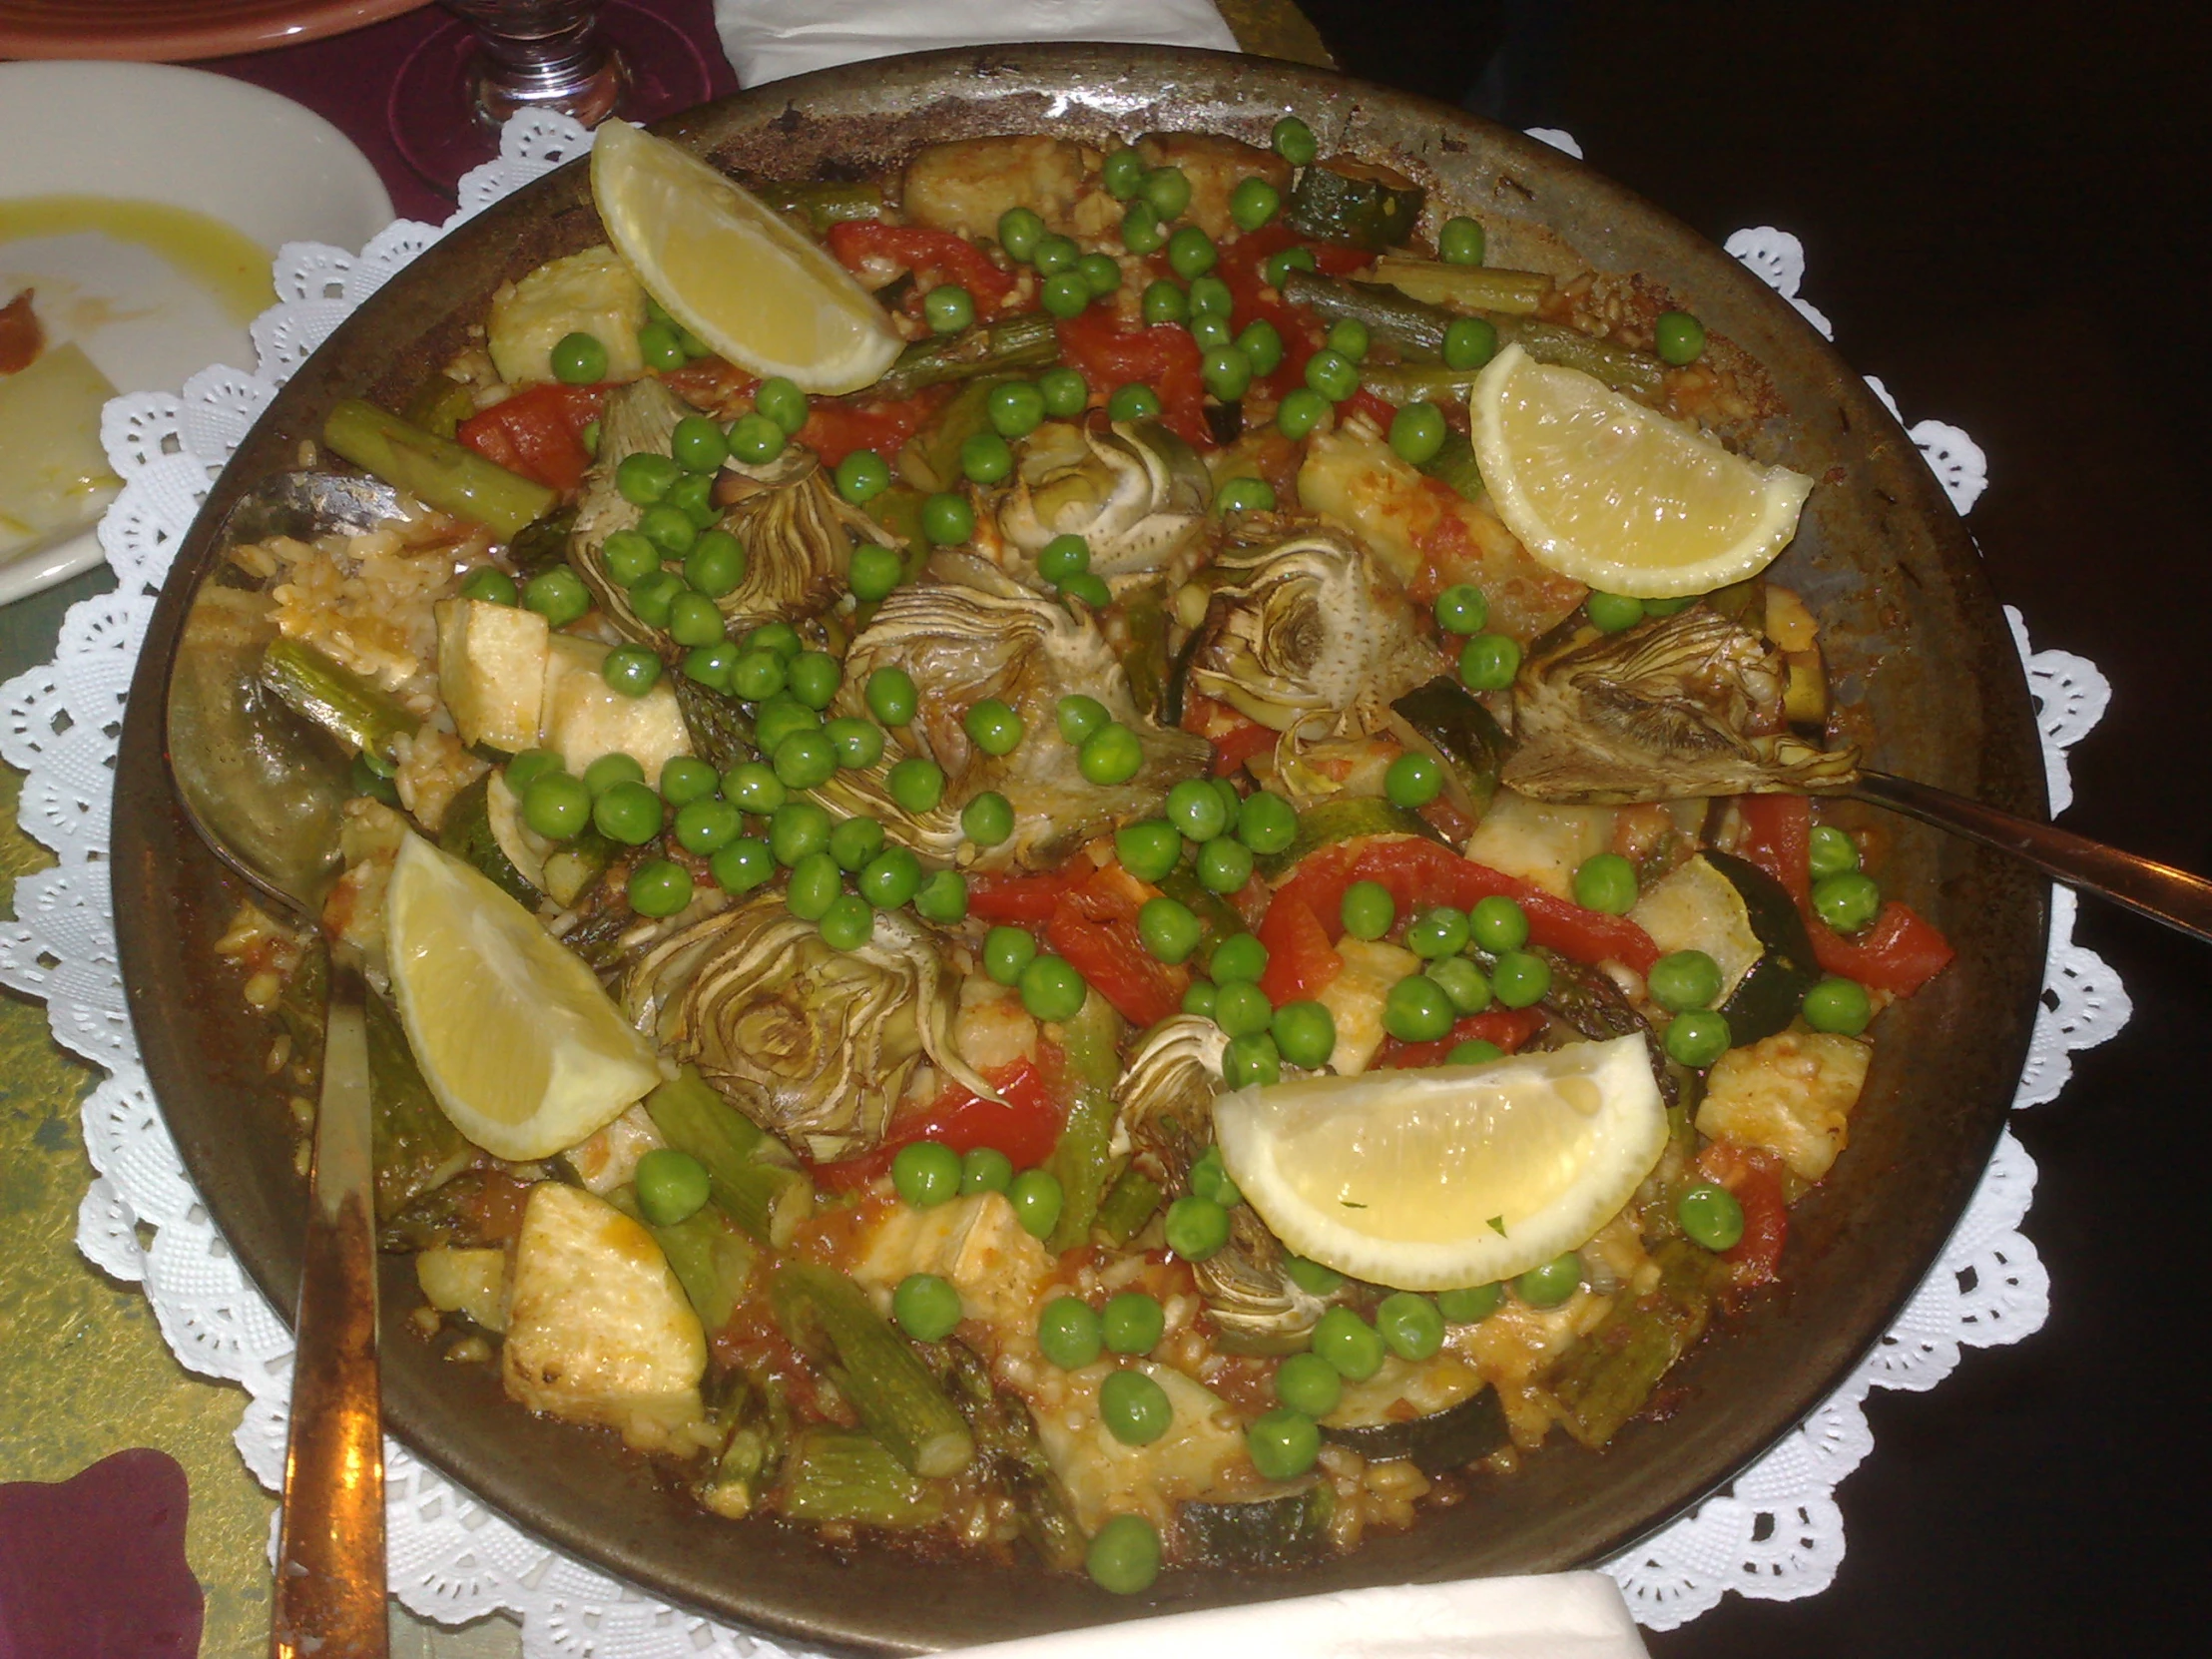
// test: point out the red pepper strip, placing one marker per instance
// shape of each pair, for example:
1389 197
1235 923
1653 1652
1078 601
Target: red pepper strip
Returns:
21 338
538 434
1232 747
1420 874
835 430
1300 959
1111 957
1898 953
1026 1127
1754 1177
1374 409
1506 1027
1164 357
856 243
1016 897
711 383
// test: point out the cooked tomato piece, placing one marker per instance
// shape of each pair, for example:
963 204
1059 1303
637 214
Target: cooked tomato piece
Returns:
1164 357
1754 1177
835 430
538 432
1024 1123
1899 953
1302 954
1112 959
1237 745
946 254
1016 897
1509 1028
1420 874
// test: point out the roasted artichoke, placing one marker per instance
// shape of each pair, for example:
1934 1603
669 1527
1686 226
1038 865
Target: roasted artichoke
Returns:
1136 493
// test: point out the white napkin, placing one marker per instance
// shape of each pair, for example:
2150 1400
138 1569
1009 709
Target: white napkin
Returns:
766 40
1563 1615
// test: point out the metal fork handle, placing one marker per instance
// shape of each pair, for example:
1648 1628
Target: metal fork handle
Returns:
2181 901
329 1587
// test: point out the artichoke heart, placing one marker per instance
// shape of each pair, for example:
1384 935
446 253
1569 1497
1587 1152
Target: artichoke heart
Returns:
812 1044
1312 626
1164 1119
799 534
967 632
1136 493
1671 710
639 418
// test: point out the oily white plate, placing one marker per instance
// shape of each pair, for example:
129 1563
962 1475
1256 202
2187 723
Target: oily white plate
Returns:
263 164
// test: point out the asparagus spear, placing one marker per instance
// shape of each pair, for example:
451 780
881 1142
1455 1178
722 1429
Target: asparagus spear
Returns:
898 1400
1474 288
842 1475
751 1172
712 1260
1610 1377
1026 341
340 701
1082 1158
434 471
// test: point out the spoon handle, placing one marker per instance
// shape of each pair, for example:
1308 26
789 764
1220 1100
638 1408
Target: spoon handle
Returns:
329 1589
2173 897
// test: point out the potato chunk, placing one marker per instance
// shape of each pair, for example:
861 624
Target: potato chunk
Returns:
975 1244
1215 165
491 671
584 718
598 1329
1791 1094
965 184
472 1281
591 293
1355 996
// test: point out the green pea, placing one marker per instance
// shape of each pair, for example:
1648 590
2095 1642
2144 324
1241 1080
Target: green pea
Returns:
1252 202
1133 1322
1418 432
1489 662
947 519
1211 331
685 780
1037 1201
1056 254
949 308
692 495
1063 557
1069 1332
926 1174
1092 590
1196 1227
1606 883
1368 910
985 458
848 923
1224 866
1305 1034
608 770
1148 849
708 825
557 806
632 670
987 820
1133 403
656 589
1295 142
779 398
1550 1284
660 887
672 1186
558 595
1497 924
798 830
1678 336
753 788
589 437
1301 410
1413 780
873 571
1464 983
1194 809
779 718
1416 1010
862 476
1282 1443
1348 337
1837 1005
1019 231
1307 1382
1168 929
757 439
1613 613
1262 346
744 864
993 726
1240 956
1276 268
1332 374
942 898
1124 1558
816 884
628 812
1199 998
856 842
628 557
644 478
1469 342
1232 802
711 665
1521 979
1242 1009
892 697
916 784
1831 851
1670 607
661 345
1122 173
1210 1180
1352 1346
1410 1325
1268 823
1460 242
815 677
1109 755
1711 1216
579 360
1066 392
697 445
489 585
1210 297
693 619
1166 190
1245 495
1470 1304
1078 716
1051 989
1100 273
1007 952
1311 1277
1684 979
984 1169
806 760
1252 1062
1191 251
778 637
925 1307
1697 1038
1065 293
529 766
1437 934
1141 229
1226 373
716 563
1846 902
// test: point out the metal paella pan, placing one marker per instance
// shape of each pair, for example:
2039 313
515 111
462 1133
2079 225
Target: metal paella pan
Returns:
1917 643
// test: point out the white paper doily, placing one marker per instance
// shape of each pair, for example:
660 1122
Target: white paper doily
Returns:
1776 1534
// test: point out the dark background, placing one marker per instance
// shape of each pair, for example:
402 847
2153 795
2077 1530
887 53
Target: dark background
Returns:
2003 210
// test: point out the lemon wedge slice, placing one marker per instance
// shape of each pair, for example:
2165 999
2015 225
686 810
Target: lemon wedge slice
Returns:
1428 1180
1602 489
514 1034
729 269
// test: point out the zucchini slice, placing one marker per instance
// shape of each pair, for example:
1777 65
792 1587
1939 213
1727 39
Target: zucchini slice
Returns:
1444 1441
1342 820
1354 202
1746 921
471 833
1269 1533
1464 734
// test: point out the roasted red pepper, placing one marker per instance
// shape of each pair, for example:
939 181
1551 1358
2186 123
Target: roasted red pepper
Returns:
1164 357
1754 1178
1110 955
835 430
1301 958
1016 897
1237 744
1899 953
1026 1127
1253 300
538 432
946 254
1506 1027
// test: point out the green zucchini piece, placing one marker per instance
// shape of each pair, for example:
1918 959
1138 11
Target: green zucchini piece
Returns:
752 1173
468 834
712 1260
1357 202
842 1475
1130 1202
1610 1375
415 1146
821 204
437 471
1464 732
327 695
1342 820
1455 465
931 460
1444 1441
1266 1532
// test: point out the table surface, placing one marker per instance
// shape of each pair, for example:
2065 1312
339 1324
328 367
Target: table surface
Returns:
1986 195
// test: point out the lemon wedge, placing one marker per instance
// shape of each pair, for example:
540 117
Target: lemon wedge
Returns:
1428 1180
514 1034
730 270
1602 489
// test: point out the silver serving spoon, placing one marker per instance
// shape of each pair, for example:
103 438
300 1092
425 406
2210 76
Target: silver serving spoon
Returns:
266 789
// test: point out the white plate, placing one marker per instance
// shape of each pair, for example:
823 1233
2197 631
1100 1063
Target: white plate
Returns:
262 163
